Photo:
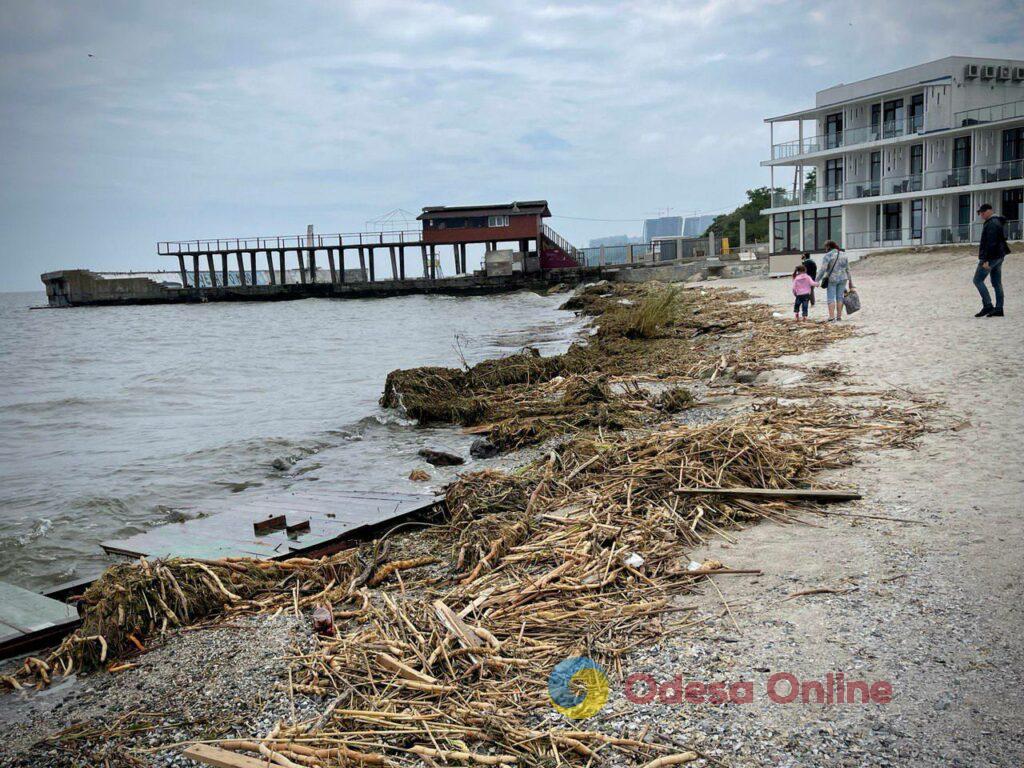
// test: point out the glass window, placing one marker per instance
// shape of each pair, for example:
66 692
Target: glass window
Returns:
497 221
833 179
916 159
876 121
833 130
962 152
892 220
915 118
893 118
916 217
786 229
1013 144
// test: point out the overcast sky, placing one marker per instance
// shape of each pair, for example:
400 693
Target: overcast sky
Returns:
218 119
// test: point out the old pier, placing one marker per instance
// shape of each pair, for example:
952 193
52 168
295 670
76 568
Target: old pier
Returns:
291 267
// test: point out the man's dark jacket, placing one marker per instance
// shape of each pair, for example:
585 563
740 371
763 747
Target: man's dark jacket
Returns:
993 240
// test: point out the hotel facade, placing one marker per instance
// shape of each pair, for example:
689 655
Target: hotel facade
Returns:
902 159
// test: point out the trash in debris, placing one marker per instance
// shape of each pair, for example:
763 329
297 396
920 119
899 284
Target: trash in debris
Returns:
633 560
323 620
419 475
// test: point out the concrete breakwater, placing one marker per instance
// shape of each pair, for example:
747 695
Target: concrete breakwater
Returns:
81 287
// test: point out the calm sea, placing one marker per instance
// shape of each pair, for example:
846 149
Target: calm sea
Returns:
114 420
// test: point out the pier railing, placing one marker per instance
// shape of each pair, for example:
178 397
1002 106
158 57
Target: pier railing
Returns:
289 242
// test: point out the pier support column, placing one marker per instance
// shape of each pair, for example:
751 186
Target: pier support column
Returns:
433 262
341 266
423 254
369 258
312 265
195 270
362 264
241 268
270 267
401 262
213 272
330 263
455 250
394 262
181 267
252 266
302 266
282 271
462 249
224 269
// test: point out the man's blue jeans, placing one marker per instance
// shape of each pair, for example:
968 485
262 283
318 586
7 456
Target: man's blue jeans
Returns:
995 274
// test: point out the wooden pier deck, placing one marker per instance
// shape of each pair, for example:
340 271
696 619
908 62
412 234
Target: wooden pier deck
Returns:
276 525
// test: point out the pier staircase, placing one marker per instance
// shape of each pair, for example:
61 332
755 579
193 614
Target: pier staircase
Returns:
556 252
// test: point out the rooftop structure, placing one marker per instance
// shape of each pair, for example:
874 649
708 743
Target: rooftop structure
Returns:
903 158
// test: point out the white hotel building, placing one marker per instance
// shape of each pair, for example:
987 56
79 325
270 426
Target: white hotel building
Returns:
902 159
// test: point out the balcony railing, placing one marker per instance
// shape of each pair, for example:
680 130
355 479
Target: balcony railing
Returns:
949 177
898 185
1007 111
848 138
810 195
1006 171
866 188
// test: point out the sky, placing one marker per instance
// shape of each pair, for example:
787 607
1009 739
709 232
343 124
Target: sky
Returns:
126 123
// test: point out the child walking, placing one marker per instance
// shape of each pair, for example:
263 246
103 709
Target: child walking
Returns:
803 285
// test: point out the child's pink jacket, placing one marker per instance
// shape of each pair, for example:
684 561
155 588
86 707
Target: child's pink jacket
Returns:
802 284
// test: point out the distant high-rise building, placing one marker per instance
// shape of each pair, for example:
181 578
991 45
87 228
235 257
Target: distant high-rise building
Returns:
665 226
695 226
612 240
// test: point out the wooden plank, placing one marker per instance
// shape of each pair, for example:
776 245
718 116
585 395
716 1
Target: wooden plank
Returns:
275 523
803 494
463 633
221 758
314 519
25 615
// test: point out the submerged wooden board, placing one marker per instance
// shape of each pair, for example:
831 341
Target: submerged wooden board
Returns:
226 528
26 615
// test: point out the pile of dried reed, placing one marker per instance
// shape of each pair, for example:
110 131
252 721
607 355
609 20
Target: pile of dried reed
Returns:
578 554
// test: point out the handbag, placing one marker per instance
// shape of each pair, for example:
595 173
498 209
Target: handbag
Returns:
851 301
824 281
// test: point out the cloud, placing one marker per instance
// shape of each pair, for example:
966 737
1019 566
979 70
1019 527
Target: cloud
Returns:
209 119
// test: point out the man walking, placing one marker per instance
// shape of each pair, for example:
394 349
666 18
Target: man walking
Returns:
991 251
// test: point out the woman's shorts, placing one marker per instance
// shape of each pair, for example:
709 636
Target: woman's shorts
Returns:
835 291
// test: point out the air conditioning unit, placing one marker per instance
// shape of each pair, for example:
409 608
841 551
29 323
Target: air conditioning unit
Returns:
1018 74
970 71
1002 73
988 72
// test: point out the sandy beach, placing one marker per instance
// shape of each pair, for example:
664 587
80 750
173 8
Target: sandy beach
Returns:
933 607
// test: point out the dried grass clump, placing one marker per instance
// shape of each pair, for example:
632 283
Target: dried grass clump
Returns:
675 399
646 319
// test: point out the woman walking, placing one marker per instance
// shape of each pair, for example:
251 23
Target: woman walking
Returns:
835 274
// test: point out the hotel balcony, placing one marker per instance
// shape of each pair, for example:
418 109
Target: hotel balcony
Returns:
1010 170
938 234
849 138
811 195
993 114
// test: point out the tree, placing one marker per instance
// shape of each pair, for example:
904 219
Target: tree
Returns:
728 224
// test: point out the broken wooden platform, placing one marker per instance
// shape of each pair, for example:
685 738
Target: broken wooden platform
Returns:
276 525
29 620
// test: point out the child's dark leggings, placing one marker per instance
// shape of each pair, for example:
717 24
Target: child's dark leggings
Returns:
801 304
